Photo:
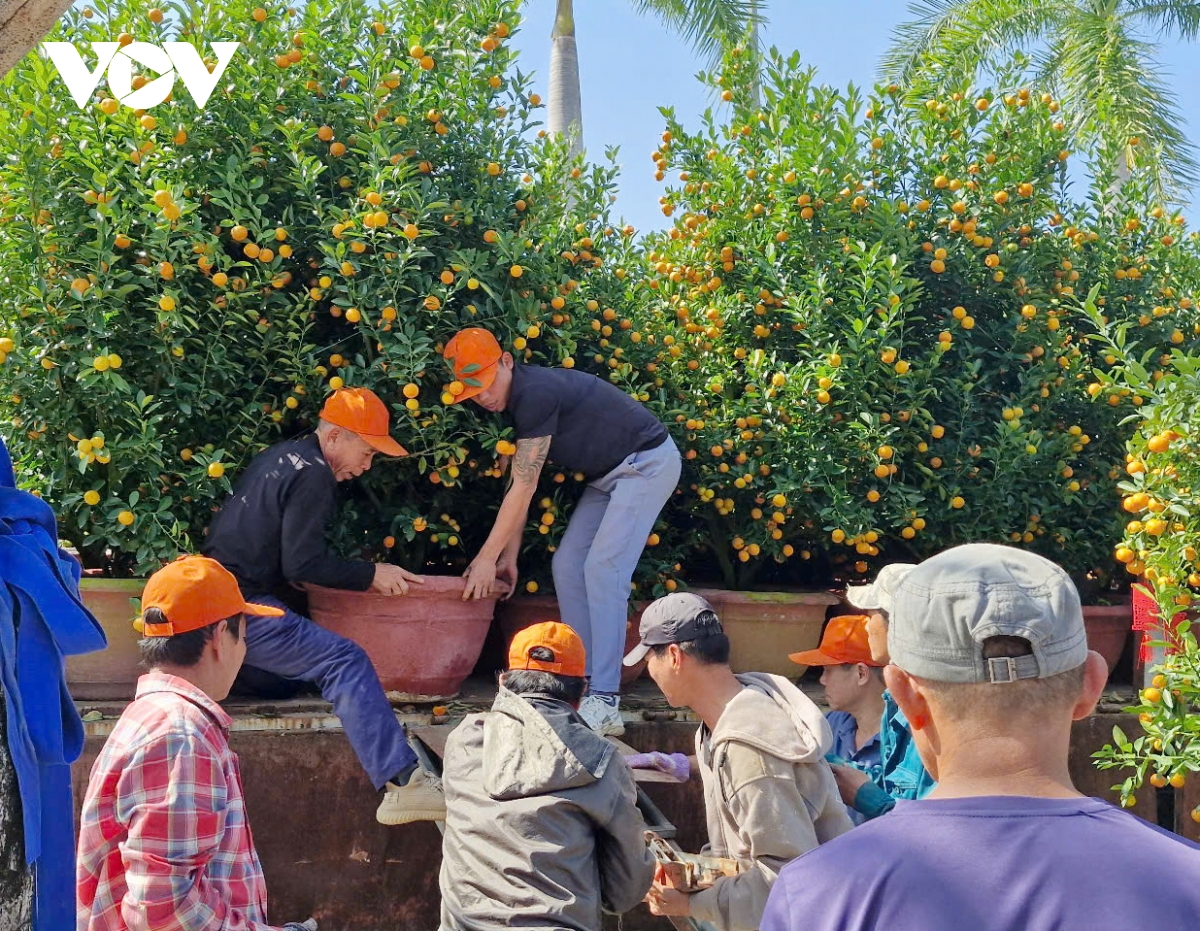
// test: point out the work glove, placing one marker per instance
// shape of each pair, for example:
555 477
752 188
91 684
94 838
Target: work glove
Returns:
673 764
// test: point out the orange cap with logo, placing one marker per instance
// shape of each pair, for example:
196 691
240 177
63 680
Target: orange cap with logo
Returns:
360 411
844 641
194 592
565 651
473 353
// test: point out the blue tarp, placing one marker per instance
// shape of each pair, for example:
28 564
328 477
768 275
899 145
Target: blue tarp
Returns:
42 620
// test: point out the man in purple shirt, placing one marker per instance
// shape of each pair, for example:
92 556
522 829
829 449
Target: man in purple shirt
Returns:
990 665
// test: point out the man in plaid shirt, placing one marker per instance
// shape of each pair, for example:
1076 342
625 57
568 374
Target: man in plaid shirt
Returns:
164 843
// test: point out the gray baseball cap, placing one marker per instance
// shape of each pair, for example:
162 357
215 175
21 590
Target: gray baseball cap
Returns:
674 618
878 595
945 608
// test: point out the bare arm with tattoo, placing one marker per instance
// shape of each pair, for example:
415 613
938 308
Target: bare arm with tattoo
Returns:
504 541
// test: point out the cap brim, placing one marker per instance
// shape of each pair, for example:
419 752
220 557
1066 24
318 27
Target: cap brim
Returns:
485 376
637 654
865 597
385 445
813 658
256 610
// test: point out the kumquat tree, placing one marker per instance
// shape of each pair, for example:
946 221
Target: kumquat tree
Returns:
185 285
867 318
1160 545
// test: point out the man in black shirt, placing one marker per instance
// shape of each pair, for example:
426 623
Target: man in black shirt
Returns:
588 425
271 535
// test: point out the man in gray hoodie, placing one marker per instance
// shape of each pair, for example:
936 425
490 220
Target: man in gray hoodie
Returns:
769 795
542 825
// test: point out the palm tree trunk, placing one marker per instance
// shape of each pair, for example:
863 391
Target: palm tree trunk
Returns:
16 884
565 106
756 76
24 23
1121 174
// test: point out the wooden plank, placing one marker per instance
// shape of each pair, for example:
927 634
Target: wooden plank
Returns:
654 775
1088 736
434 736
1187 800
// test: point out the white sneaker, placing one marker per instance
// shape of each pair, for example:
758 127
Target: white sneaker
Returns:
603 715
421 799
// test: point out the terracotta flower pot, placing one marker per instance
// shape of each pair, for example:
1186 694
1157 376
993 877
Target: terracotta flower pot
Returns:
110 674
521 611
1108 628
423 644
764 627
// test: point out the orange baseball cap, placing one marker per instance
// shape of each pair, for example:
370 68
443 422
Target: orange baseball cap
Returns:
194 592
473 353
569 658
844 641
360 411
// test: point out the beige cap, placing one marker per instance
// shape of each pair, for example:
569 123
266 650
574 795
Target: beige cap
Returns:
878 595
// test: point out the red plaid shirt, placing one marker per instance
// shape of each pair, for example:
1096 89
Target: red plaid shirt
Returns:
164 842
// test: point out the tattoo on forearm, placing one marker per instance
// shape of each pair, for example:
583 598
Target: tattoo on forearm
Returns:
529 459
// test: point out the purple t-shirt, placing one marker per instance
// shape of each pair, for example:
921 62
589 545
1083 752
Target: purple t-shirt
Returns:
993 864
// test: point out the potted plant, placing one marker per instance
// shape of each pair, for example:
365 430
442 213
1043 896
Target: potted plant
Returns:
184 285
869 337
1160 546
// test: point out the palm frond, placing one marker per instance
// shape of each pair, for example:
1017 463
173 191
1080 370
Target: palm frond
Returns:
914 41
1179 18
709 26
952 36
1111 85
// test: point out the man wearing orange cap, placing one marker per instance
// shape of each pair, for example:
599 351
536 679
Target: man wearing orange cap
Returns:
542 824
901 774
854 688
270 534
588 425
164 839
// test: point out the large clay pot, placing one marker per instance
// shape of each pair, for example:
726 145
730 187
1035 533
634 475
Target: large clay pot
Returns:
423 644
110 674
764 627
1107 629
521 611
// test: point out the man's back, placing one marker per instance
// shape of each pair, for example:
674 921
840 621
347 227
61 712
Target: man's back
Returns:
594 424
541 823
164 837
993 864
271 530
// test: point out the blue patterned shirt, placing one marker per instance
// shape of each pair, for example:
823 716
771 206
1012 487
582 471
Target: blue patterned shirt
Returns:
845 747
902 775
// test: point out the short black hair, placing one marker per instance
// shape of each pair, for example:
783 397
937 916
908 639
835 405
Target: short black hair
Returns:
181 649
709 649
570 689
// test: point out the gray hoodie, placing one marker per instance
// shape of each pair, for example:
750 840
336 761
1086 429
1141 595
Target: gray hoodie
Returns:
542 827
769 795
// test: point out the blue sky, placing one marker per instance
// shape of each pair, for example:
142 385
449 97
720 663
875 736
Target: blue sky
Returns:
630 66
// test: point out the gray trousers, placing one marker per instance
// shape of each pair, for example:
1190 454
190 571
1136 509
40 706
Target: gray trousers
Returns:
599 552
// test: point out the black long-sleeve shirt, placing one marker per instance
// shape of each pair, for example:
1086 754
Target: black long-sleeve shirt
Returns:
271 530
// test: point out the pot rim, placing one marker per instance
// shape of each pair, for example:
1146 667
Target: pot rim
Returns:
94 584
435 585
733 596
